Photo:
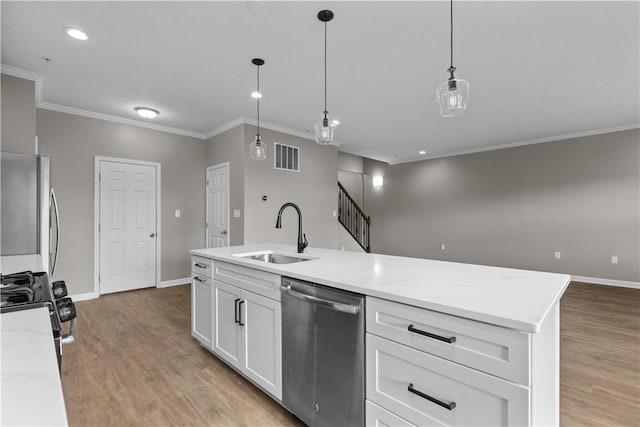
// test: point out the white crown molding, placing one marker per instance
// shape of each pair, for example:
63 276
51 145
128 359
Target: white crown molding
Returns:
116 119
528 142
266 125
225 127
27 75
607 282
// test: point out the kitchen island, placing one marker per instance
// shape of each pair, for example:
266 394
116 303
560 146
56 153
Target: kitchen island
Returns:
501 361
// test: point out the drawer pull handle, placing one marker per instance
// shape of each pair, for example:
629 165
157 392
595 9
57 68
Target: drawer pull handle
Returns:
446 405
199 279
434 336
199 265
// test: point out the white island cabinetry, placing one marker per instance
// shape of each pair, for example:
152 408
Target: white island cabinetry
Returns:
201 300
247 319
447 344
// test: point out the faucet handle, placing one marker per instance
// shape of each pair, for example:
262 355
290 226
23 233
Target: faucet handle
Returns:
304 244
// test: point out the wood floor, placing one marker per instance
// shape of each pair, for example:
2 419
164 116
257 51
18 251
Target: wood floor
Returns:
134 363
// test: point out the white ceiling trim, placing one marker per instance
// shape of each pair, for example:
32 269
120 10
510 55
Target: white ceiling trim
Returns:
27 75
251 121
528 142
116 119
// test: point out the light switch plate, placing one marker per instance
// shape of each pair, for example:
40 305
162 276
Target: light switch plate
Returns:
236 213
177 213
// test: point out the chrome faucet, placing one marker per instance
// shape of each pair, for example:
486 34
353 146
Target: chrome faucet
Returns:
302 238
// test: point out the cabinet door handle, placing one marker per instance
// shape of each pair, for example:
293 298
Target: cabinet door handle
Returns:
434 336
235 310
240 312
198 279
445 405
199 265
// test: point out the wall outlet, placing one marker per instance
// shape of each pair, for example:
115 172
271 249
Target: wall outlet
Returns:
614 259
236 213
556 255
177 213
443 246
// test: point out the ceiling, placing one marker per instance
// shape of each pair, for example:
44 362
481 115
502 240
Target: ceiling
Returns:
538 70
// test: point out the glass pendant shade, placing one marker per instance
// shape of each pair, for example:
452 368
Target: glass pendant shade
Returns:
324 131
258 149
452 97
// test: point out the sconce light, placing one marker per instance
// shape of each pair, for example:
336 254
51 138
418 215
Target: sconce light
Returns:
377 181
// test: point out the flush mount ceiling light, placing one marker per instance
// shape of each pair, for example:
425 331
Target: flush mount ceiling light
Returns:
324 128
422 152
147 113
257 148
256 95
452 96
76 33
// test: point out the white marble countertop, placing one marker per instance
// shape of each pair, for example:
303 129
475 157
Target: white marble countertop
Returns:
31 387
517 299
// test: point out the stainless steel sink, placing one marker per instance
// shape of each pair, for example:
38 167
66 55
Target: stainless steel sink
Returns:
273 258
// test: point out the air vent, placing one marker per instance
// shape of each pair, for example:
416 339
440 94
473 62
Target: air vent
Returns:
286 157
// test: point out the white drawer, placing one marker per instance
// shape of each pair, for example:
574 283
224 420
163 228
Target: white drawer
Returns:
493 349
257 281
201 266
480 399
380 417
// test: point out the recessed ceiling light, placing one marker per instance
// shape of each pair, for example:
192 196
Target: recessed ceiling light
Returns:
256 95
335 122
76 33
422 152
147 113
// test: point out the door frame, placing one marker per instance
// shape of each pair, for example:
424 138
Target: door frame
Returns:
206 202
96 216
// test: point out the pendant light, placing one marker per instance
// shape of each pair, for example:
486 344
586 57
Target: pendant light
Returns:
452 96
257 148
324 128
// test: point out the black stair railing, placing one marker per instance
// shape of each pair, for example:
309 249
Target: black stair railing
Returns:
353 219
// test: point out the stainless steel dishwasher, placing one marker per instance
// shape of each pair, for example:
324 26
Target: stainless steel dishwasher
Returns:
322 354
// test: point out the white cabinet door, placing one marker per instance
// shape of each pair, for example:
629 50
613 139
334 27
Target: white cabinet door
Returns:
201 318
227 333
262 361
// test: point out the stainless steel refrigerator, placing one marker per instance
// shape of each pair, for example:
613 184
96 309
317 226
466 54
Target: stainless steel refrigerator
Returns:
28 214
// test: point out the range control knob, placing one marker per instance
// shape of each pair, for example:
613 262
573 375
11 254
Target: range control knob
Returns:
59 289
66 309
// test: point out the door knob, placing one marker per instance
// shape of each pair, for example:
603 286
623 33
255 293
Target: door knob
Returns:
152 235
223 232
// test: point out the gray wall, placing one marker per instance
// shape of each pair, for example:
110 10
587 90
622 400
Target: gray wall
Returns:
74 141
516 207
313 189
350 175
18 115
229 147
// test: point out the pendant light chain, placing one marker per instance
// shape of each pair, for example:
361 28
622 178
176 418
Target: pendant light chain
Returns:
451 33
258 99
325 69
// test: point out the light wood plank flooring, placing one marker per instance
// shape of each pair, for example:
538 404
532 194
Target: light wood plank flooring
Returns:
134 363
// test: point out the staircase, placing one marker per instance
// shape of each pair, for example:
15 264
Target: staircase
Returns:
353 219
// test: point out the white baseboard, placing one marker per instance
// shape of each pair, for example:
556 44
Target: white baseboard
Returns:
608 282
84 297
174 282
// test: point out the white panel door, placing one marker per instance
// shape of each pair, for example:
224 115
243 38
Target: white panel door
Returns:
127 226
218 206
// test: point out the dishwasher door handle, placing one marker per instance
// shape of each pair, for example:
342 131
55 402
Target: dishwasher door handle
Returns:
337 306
